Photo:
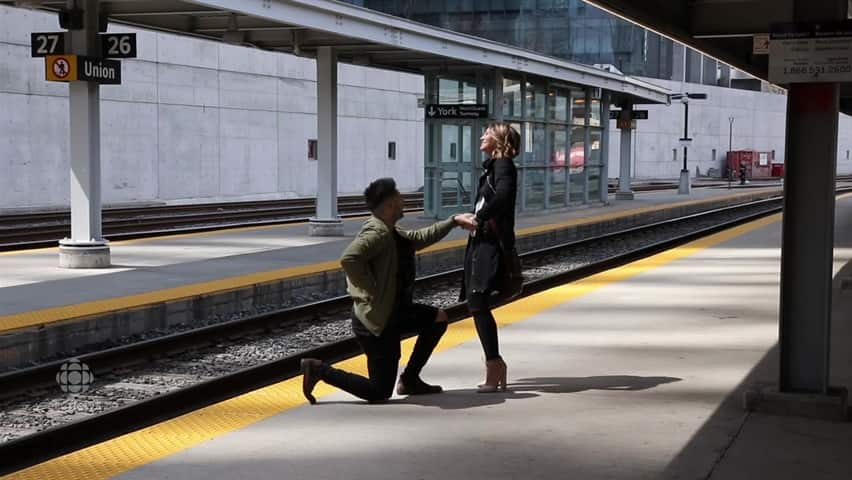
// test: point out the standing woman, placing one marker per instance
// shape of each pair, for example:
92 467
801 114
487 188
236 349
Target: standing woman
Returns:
493 238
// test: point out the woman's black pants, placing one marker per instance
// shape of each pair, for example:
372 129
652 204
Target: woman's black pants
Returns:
486 326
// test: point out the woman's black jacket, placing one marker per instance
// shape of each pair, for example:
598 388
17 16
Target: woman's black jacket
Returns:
498 184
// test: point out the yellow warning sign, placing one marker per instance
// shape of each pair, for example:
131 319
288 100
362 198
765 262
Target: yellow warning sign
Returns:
60 68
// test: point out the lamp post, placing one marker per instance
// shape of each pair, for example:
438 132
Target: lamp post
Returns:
730 149
685 185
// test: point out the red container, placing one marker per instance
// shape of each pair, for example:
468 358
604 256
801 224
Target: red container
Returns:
777 170
758 164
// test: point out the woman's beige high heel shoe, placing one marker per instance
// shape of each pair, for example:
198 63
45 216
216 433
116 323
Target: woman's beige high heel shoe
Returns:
495 376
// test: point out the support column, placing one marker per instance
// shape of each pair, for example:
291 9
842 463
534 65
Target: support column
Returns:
587 146
606 99
625 177
808 236
326 222
807 245
86 248
498 95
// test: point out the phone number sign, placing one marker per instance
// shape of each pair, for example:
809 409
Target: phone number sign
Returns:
810 52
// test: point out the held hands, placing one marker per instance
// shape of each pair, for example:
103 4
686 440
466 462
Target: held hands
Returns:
466 220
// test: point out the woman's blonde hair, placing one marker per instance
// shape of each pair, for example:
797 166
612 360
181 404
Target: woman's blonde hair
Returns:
507 138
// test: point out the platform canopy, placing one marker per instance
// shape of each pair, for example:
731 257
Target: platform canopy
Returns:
724 29
359 36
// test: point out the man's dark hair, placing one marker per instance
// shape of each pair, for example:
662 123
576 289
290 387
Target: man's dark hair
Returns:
379 191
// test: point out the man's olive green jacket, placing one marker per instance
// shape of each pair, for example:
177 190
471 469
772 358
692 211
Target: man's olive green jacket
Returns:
371 264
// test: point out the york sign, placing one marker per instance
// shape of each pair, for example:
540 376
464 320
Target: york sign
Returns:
476 110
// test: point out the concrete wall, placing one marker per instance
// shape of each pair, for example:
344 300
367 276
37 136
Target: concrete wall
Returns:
759 124
198 121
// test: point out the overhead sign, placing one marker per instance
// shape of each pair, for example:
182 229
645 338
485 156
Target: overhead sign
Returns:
811 52
475 110
60 68
760 44
118 45
625 124
99 70
68 68
47 43
634 114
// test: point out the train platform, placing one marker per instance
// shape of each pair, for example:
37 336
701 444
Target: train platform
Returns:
637 372
155 283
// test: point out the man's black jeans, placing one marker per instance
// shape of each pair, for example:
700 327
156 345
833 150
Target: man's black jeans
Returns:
383 353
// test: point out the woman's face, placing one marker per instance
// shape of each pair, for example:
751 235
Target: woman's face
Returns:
487 142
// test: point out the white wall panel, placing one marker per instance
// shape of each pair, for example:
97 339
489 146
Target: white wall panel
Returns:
188 152
129 151
248 152
183 85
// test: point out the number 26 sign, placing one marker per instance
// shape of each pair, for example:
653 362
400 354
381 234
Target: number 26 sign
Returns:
118 45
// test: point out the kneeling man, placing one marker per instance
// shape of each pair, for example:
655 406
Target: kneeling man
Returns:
380 271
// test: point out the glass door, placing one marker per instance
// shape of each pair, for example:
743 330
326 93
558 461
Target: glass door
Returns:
451 166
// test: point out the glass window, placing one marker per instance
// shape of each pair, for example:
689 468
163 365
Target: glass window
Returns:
535 145
456 91
594 184
534 188
450 189
558 104
559 171
450 143
578 107
535 97
577 163
595 119
512 98
595 157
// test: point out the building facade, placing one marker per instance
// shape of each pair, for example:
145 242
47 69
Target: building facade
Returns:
567 29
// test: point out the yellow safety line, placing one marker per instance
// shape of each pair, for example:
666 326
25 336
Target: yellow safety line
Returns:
68 312
150 444
71 312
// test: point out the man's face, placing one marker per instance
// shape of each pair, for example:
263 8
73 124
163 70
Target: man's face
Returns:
394 206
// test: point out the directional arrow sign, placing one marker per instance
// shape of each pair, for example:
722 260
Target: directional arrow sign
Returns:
475 110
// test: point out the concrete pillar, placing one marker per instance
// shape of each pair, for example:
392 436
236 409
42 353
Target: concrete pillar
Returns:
807 244
86 248
625 177
808 241
327 222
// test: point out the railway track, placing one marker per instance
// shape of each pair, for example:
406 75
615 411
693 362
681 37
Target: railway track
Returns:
45 229
545 268
22 231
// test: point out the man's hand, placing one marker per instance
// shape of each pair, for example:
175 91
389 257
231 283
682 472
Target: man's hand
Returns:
466 220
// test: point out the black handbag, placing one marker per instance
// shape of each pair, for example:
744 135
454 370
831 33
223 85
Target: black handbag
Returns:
512 279
510 283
